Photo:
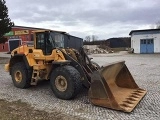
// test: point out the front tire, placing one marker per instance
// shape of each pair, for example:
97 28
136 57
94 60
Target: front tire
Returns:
20 77
65 82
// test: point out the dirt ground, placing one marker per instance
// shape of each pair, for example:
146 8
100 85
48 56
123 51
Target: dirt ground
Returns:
18 110
22 111
38 102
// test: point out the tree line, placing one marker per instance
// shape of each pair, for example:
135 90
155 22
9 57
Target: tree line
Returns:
5 22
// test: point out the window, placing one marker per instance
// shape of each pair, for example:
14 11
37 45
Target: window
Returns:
48 41
141 41
58 39
146 41
40 41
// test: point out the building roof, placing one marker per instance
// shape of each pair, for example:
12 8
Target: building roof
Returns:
34 28
40 29
146 30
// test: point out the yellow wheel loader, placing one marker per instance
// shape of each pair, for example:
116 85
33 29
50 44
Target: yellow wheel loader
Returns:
111 86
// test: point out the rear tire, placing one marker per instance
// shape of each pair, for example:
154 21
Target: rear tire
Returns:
65 82
20 76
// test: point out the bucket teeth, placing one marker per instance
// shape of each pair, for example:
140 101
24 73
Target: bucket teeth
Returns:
127 105
134 96
132 99
139 91
129 102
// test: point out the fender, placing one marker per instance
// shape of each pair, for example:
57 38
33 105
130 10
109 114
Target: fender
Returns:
18 58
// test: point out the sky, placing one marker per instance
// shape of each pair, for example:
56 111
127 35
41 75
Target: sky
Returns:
103 18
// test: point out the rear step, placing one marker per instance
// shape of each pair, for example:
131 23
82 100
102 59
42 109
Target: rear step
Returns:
114 87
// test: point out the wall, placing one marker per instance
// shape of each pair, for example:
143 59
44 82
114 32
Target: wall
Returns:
4 47
73 42
112 42
135 41
17 33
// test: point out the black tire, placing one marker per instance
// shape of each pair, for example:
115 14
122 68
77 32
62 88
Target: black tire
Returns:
72 79
95 64
20 76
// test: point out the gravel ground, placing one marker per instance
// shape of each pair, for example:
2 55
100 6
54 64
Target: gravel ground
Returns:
144 68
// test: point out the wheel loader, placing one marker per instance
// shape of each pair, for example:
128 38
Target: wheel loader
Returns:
68 70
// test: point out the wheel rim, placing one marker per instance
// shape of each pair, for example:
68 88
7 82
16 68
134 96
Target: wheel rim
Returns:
18 76
61 83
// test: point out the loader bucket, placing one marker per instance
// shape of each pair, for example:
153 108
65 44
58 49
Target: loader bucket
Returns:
114 87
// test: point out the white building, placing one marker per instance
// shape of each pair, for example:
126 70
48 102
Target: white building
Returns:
145 41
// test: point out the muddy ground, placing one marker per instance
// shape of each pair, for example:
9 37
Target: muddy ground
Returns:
18 110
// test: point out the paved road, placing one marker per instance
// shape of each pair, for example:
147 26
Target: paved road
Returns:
144 68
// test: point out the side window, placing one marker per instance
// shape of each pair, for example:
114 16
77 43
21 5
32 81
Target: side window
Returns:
59 40
40 41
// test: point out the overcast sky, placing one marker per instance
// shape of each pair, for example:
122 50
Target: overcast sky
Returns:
104 18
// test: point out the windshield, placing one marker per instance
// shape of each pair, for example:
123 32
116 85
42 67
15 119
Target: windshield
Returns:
56 39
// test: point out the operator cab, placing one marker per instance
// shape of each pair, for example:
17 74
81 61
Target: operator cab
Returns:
49 40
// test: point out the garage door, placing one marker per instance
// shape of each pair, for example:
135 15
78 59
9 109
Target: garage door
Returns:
146 46
14 44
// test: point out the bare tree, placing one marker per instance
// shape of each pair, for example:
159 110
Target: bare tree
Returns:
157 25
94 37
88 38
